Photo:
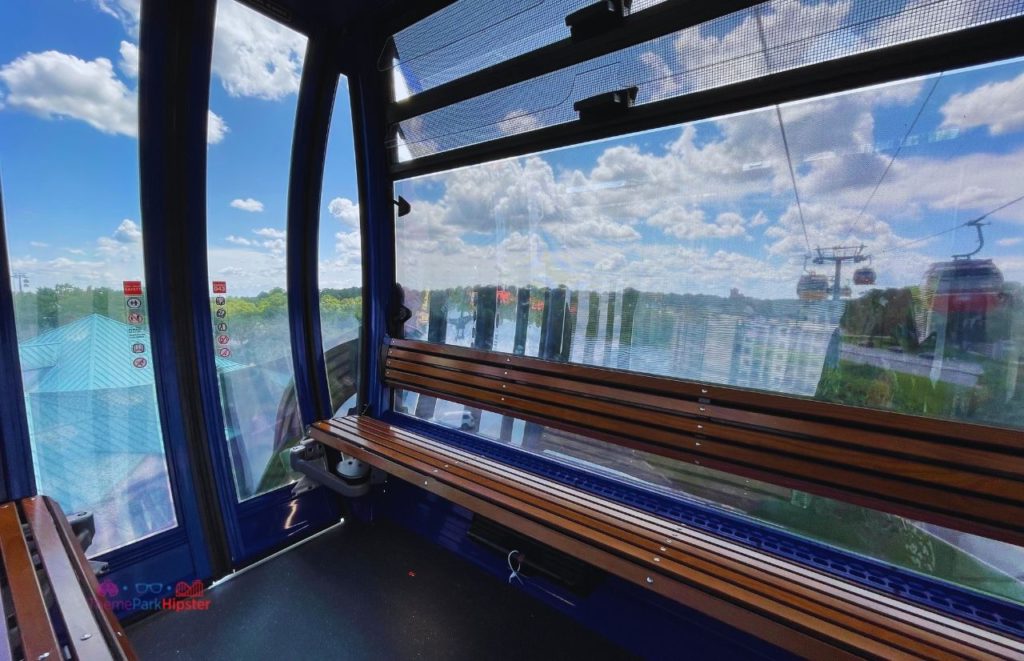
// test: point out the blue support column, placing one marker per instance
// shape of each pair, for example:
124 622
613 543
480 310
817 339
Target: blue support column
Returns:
16 476
377 215
174 88
309 148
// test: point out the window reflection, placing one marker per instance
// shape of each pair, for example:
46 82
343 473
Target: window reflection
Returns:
862 248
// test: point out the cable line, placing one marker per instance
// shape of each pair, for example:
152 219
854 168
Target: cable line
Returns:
955 227
899 148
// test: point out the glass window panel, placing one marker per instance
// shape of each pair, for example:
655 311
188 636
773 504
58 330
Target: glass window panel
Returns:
471 35
862 248
341 276
767 38
257 64
967 560
69 156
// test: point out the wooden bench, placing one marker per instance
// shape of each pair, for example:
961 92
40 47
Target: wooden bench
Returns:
51 600
967 477
805 611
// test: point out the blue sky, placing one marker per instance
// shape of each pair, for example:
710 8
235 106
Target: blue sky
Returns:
68 151
703 207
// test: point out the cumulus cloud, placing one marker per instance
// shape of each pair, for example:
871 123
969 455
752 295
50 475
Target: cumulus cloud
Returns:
255 56
129 63
38 244
690 224
248 204
55 85
999 107
216 128
128 232
1010 242
239 240
270 233
344 210
128 12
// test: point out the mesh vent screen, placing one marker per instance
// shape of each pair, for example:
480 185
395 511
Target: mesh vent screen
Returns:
471 35
769 38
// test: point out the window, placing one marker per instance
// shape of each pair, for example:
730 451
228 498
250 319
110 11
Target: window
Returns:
257 65
764 39
878 266
861 249
68 128
341 293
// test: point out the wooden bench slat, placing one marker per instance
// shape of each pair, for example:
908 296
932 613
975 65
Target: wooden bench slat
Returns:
640 403
6 653
587 517
797 407
615 520
916 475
944 506
87 629
39 641
672 430
91 584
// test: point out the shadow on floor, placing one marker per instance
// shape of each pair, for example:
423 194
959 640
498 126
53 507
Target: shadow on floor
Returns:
348 594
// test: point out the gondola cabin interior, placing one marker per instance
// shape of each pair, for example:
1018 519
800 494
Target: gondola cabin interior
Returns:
528 329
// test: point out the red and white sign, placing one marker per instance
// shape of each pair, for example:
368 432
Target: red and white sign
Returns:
138 347
220 287
134 318
225 353
223 339
132 287
140 362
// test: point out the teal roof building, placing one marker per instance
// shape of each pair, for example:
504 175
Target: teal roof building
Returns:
97 442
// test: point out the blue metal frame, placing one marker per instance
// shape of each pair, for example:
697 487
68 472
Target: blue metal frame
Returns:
883 577
162 230
317 92
377 215
17 479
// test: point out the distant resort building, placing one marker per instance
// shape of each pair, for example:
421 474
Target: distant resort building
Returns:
97 444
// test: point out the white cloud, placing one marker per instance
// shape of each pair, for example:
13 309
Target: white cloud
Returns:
344 210
216 128
238 240
56 85
129 63
519 121
516 242
129 12
75 251
128 232
38 244
248 204
1012 241
255 56
689 224
997 106
270 232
